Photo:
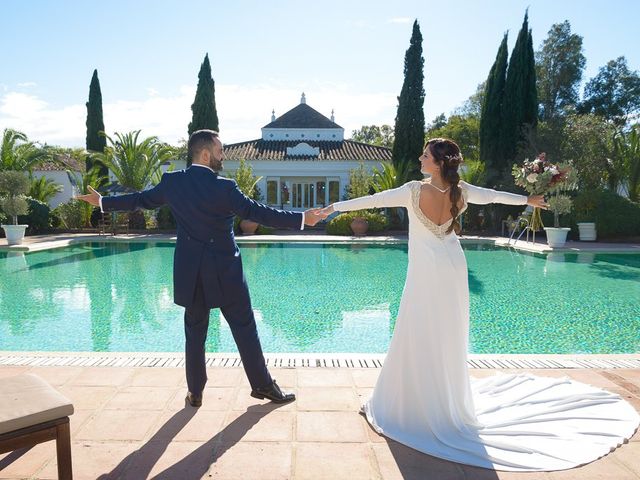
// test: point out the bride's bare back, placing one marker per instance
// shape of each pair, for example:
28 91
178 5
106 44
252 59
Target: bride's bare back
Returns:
435 204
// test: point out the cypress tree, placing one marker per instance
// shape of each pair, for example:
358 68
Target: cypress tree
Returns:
520 106
491 116
95 122
409 123
204 111
531 89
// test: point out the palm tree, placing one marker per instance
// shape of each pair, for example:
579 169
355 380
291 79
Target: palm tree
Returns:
81 182
627 150
18 153
472 172
245 179
135 165
43 189
391 176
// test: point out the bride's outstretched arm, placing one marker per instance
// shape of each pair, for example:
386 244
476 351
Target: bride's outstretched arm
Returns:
482 196
396 197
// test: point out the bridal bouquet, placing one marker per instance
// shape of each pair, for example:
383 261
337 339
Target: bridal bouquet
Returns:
541 177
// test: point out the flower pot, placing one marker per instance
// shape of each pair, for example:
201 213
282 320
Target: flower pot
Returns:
248 227
359 226
587 231
14 233
556 237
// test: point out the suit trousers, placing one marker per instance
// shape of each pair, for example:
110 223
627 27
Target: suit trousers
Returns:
239 316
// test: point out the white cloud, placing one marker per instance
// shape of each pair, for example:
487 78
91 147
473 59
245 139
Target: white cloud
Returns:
152 92
242 111
401 20
27 84
33 116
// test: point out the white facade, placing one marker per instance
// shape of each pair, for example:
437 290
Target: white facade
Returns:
301 184
61 178
302 134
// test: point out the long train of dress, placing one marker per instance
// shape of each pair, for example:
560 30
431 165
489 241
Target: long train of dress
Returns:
424 397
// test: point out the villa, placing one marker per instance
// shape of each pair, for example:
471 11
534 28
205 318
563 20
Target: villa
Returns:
303 159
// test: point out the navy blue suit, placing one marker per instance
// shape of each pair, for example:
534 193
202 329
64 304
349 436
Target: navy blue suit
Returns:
207 266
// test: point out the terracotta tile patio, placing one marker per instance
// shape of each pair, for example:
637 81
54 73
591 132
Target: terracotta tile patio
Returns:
130 423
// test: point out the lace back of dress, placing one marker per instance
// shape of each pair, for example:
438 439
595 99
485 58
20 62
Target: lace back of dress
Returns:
440 231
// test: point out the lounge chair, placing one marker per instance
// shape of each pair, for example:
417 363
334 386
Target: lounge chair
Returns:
32 412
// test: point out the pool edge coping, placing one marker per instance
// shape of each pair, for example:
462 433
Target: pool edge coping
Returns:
503 242
311 360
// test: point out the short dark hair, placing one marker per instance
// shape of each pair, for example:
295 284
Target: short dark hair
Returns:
198 141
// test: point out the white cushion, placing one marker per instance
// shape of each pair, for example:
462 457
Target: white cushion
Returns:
27 400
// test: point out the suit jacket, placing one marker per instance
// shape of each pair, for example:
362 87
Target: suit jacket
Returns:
204 205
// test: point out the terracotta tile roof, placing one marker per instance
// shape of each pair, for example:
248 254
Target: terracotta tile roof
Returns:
62 163
277 150
302 116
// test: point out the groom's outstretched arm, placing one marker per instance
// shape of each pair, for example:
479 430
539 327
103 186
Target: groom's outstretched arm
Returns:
149 199
247 208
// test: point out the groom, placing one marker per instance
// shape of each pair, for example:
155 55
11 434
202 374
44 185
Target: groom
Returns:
207 267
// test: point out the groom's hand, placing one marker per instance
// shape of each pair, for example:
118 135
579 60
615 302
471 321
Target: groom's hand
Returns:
311 217
93 197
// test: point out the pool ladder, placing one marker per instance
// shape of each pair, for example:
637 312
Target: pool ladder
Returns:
527 229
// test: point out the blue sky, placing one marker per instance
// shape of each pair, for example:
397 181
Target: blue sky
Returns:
345 55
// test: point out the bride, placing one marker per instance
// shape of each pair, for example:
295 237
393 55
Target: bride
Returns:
424 397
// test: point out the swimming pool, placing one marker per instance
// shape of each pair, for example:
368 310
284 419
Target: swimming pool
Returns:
316 298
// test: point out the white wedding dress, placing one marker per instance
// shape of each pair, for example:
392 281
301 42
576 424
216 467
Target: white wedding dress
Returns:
424 397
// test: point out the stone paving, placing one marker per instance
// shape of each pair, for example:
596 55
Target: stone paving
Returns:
131 423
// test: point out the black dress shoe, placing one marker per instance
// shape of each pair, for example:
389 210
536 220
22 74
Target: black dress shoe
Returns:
273 393
193 400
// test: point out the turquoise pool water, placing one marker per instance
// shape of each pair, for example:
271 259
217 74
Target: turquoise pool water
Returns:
316 298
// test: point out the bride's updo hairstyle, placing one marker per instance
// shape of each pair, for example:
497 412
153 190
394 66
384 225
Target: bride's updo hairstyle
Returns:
447 155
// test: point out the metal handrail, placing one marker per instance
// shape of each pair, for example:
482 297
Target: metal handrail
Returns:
527 228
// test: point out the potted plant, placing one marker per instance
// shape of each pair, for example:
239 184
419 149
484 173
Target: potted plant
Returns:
557 235
359 226
14 187
585 206
247 184
587 231
540 177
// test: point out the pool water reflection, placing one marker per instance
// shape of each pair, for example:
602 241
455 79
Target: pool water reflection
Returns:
316 298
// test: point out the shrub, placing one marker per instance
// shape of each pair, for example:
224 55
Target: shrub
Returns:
264 230
615 216
149 219
164 219
137 220
71 214
341 225
38 217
